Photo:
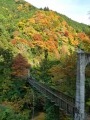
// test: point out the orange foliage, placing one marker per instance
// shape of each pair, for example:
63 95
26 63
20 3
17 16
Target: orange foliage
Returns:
64 23
46 30
37 37
15 41
16 33
31 45
85 39
81 35
65 50
51 45
39 43
71 37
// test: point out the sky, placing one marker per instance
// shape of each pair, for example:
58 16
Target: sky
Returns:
75 9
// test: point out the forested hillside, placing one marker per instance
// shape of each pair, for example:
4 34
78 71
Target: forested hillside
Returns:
45 42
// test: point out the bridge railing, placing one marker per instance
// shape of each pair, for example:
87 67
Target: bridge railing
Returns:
59 93
64 102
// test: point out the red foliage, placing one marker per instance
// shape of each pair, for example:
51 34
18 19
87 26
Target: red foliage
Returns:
20 66
66 34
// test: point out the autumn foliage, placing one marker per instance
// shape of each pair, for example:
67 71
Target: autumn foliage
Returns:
49 31
20 66
49 41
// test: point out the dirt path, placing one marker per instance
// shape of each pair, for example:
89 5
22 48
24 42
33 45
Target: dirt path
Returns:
41 116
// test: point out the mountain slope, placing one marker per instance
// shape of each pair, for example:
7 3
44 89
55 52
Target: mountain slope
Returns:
25 28
40 34
79 27
49 41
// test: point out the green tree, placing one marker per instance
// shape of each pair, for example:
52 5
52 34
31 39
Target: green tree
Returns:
52 111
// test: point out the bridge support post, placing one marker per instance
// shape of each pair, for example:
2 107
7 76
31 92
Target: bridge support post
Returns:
82 60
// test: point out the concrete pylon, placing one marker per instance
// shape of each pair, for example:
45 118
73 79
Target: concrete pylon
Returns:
82 60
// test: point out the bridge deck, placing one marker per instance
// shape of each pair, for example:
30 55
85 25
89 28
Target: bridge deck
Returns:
65 103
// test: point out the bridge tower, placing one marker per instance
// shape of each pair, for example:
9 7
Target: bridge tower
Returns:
82 61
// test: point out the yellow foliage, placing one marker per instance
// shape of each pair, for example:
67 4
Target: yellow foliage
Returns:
57 73
21 24
20 7
31 20
65 49
30 31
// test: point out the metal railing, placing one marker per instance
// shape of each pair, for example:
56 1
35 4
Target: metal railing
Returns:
65 103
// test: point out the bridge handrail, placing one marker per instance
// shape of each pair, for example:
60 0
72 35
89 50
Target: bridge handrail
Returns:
52 92
64 104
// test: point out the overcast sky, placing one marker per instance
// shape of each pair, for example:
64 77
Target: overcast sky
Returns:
74 9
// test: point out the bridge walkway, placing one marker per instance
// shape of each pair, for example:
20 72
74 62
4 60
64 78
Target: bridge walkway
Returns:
65 102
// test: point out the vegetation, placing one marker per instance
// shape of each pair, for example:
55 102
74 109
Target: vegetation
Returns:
45 42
